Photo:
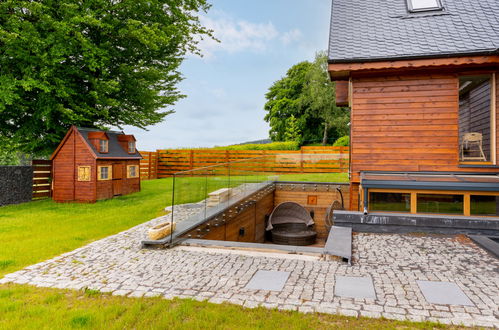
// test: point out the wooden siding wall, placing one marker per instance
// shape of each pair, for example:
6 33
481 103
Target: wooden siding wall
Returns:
84 190
324 200
305 160
406 123
128 186
63 171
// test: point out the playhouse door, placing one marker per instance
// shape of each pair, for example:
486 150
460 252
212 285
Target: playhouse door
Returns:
117 179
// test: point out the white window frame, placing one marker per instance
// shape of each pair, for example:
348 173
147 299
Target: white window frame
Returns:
411 8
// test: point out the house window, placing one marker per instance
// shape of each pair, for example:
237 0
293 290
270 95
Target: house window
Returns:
390 202
104 173
133 171
131 147
103 146
484 205
83 173
476 128
436 203
424 5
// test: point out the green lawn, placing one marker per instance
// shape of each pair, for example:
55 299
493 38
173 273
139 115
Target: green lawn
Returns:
24 307
36 231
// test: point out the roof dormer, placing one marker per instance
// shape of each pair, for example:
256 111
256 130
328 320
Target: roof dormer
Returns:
127 142
100 140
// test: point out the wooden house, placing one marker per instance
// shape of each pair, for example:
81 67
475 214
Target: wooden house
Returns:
90 165
421 79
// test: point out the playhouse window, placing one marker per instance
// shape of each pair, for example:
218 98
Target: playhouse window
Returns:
83 173
131 147
103 146
476 127
104 173
423 5
133 171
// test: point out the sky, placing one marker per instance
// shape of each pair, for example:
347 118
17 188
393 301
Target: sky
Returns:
225 89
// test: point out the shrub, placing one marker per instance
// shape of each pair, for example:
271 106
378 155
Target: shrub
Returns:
290 145
343 141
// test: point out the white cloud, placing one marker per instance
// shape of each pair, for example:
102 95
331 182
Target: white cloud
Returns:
241 35
290 36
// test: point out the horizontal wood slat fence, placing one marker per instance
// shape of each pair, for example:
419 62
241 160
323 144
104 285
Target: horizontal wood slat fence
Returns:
164 163
42 179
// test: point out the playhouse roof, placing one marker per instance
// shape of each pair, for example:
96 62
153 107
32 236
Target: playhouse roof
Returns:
375 30
115 150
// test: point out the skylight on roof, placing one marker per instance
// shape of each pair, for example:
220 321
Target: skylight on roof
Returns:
423 5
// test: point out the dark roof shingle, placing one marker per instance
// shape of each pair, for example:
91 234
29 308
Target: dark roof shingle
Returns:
114 148
369 30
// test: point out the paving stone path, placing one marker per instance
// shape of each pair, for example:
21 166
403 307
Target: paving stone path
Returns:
394 263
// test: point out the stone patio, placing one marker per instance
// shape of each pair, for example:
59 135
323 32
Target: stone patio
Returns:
394 263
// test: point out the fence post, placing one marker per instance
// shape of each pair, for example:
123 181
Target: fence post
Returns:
156 165
301 159
149 165
191 159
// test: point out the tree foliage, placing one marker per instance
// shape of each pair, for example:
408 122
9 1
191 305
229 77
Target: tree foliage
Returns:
92 63
292 132
307 94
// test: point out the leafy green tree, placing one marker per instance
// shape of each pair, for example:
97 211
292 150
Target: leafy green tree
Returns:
292 130
91 63
321 99
284 99
307 94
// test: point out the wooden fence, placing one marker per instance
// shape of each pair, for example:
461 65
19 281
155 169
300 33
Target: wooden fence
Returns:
42 179
164 163
149 165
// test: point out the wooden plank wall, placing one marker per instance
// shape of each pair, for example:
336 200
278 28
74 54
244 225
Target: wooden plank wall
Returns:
305 160
283 194
406 123
251 221
42 179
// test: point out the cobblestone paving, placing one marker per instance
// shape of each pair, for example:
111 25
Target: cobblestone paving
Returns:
119 266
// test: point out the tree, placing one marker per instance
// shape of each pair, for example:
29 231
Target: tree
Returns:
307 94
321 99
284 99
292 132
90 63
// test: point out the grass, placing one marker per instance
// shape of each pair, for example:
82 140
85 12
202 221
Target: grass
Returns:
316 177
31 307
36 231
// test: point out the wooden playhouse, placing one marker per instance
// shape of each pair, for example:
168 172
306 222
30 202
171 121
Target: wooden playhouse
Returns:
90 165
